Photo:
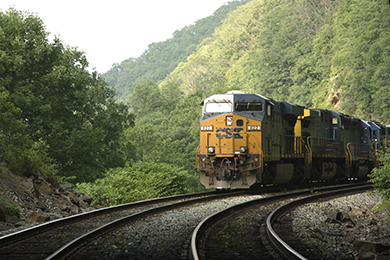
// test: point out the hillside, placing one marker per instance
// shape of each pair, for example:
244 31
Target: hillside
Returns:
62 122
162 58
312 53
323 54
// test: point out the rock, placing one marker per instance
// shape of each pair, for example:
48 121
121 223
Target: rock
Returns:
357 212
348 239
45 188
39 204
53 182
53 216
37 217
344 217
346 208
2 215
385 255
75 201
340 217
350 224
20 223
87 199
5 226
368 256
38 179
370 246
66 187
11 219
370 222
41 200
28 184
36 192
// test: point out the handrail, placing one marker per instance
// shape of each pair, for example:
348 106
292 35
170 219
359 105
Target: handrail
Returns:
309 150
257 145
349 164
202 140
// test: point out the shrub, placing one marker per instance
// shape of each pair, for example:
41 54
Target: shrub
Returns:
380 177
142 181
9 208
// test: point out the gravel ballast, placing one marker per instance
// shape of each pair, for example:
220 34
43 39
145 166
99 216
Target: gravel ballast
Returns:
162 236
351 227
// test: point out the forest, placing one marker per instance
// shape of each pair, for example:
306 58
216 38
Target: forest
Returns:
114 134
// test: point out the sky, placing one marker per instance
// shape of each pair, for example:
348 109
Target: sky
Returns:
112 31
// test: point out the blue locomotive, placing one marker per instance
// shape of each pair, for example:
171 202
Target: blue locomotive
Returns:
247 138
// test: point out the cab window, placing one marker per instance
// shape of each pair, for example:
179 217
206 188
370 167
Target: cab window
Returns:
218 107
249 106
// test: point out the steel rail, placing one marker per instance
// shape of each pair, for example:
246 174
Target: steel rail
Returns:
196 253
73 245
286 250
28 232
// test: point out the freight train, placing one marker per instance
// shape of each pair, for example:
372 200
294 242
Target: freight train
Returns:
248 139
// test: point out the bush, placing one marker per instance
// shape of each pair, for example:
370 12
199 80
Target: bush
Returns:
380 177
9 208
142 181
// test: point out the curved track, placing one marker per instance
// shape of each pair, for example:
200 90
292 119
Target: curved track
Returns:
39 242
227 235
83 246
278 223
85 236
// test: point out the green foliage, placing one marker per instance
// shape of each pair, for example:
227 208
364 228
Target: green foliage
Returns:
162 58
54 105
17 149
317 53
9 208
206 69
361 57
380 177
313 53
141 181
167 127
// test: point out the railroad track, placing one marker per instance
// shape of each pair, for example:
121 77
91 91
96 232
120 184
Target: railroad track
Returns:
39 242
158 233
161 228
279 226
258 228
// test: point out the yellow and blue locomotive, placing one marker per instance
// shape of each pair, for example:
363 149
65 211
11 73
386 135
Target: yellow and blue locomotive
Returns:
247 139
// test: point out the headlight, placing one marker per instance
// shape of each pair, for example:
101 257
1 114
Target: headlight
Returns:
243 149
211 149
206 128
229 120
254 128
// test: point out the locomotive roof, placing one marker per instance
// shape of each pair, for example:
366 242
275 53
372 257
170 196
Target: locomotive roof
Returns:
236 96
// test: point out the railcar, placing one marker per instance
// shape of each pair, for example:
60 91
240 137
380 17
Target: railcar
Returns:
247 139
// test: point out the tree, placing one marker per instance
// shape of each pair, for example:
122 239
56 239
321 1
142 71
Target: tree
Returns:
162 58
20 153
360 60
72 110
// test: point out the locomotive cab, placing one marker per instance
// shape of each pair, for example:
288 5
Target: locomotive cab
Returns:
230 154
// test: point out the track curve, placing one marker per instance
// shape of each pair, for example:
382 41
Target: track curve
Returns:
201 245
40 241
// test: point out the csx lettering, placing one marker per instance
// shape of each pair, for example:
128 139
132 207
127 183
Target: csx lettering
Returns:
229 132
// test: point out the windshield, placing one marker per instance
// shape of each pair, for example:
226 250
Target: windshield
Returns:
218 107
249 106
